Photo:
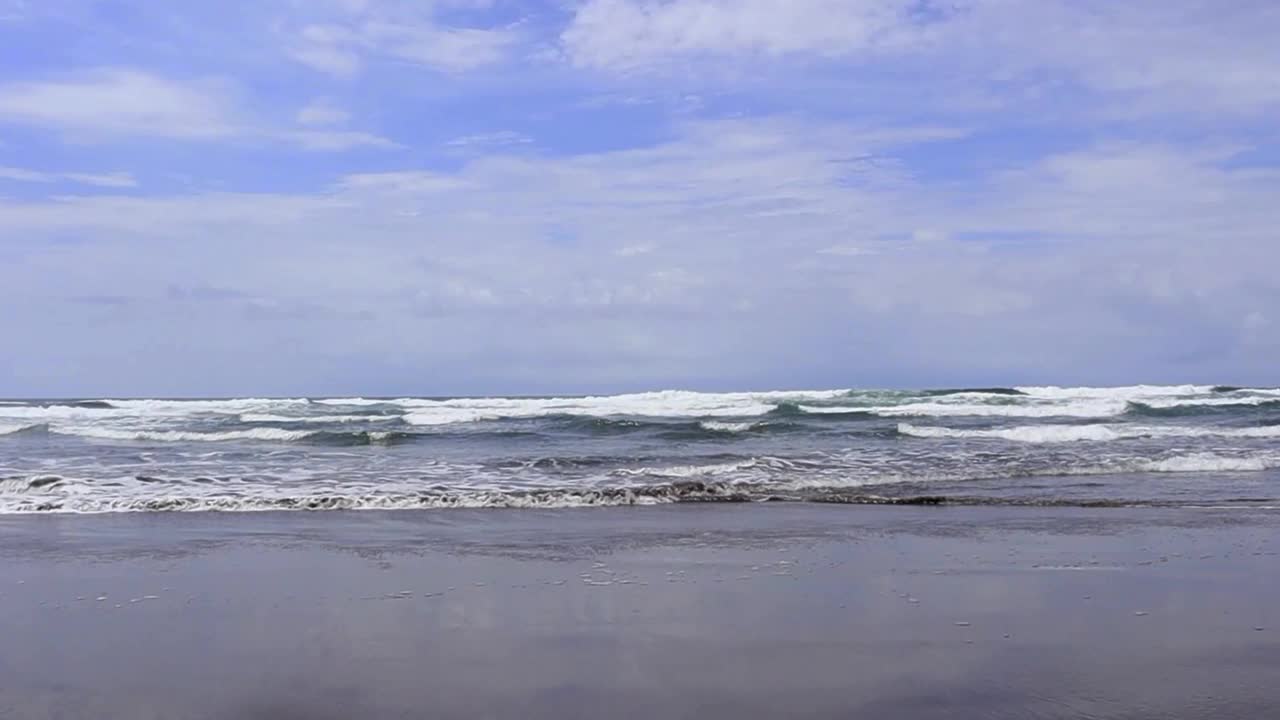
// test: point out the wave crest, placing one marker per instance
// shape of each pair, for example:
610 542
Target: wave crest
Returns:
729 427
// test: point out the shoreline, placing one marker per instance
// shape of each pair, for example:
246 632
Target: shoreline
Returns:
725 610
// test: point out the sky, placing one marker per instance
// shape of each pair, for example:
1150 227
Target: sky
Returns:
390 197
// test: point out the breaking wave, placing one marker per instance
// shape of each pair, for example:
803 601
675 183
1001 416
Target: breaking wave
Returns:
269 418
362 437
729 427
1076 433
1209 462
1083 409
717 482
974 391
1175 444
19 428
1205 406
274 434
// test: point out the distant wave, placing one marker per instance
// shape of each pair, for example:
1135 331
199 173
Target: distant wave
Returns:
1205 406
973 391
84 404
734 408
229 405
1247 390
1125 392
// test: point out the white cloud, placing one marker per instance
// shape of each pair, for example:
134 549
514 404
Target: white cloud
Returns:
447 49
1137 58
1190 55
360 33
336 139
633 250
105 104
1115 258
121 101
107 180
407 182
811 231
626 34
12 10
20 175
327 58
490 140
322 112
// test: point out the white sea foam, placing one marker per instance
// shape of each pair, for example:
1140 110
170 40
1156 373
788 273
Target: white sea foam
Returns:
360 402
667 403
1075 433
1032 434
1123 393
228 405
57 412
1083 408
757 477
128 495
1209 462
836 458
1269 431
82 505
143 409
447 416
691 471
727 427
270 418
1038 402
1163 403
276 434
835 409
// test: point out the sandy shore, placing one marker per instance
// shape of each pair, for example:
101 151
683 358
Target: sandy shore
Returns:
673 612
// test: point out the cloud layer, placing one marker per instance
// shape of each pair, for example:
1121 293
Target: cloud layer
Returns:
465 197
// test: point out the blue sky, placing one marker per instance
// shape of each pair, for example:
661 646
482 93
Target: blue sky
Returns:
483 196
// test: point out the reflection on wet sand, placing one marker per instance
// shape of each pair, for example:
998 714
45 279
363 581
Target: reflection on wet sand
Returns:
661 612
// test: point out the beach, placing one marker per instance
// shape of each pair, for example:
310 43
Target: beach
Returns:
691 610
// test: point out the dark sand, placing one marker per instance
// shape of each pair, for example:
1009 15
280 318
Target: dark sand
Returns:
674 612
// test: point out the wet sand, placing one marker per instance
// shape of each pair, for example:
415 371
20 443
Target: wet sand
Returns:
746 611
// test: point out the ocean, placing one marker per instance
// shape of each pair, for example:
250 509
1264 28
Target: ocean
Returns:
1184 446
